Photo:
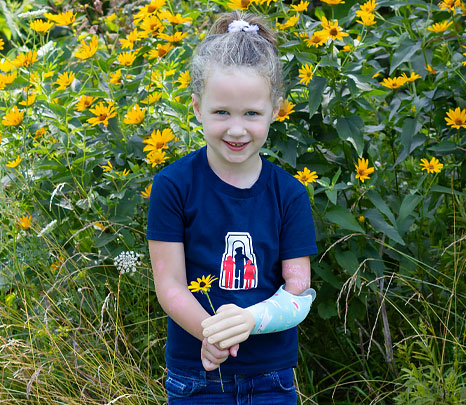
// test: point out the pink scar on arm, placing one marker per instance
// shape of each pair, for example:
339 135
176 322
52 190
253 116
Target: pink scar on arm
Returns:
296 276
175 298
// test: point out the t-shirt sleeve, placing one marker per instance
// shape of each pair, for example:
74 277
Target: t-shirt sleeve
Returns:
165 220
297 237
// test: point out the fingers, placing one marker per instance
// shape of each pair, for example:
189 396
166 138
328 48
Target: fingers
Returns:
233 334
212 356
224 312
234 340
234 350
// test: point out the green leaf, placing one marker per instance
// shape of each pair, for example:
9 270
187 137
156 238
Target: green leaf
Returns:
347 261
440 189
351 129
327 275
343 218
443 147
406 49
380 225
410 128
408 205
104 239
327 309
316 90
380 204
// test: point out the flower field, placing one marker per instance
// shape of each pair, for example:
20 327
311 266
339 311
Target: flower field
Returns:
96 99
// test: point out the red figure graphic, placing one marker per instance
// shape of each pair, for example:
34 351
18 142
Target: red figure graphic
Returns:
228 268
249 274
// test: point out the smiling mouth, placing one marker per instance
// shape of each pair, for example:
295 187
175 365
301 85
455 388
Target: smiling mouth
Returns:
236 144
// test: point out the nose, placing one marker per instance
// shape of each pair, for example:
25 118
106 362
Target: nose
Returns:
236 127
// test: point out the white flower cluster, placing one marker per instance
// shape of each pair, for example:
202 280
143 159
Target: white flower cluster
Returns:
126 262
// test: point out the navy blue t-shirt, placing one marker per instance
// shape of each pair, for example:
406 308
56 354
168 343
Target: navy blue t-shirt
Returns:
238 235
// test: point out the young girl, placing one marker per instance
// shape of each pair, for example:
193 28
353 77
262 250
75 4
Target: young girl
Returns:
226 212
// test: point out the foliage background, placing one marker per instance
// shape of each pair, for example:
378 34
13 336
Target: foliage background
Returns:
389 322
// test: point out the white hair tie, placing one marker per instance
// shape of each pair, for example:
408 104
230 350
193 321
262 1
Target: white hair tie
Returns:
241 25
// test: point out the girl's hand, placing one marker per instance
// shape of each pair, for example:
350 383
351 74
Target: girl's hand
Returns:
230 326
212 356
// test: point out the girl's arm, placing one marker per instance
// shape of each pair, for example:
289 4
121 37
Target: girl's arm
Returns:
233 324
168 265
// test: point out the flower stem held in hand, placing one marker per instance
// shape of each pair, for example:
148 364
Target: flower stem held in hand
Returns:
203 285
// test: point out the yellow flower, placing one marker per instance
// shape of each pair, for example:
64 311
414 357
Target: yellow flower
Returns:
334 31
286 109
317 38
394 83
87 51
102 113
151 25
7 79
306 73
361 218
124 173
302 6
13 118
147 191
25 221
174 19
306 176
434 166
126 58
133 37
414 76
115 78
156 157
148 10
440 27
290 23
346 48
202 284
61 18
366 19
6 65
84 102
152 98
158 140
25 60
40 26
29 101
456 118
239 4
160 52
2 44
430 70
368 7
135 115
363 170
449 5
176 37
40 132
333 2
14 163
64 80
107 168
184 79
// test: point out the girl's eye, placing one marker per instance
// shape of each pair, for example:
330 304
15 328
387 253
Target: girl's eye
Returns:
251 113
221 112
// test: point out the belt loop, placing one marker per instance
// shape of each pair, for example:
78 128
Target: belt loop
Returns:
203 378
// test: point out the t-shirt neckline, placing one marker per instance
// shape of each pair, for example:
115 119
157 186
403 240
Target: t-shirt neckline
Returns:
226 188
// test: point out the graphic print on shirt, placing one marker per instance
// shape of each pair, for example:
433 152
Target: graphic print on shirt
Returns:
238 270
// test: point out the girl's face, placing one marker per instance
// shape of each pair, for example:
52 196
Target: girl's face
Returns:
236 111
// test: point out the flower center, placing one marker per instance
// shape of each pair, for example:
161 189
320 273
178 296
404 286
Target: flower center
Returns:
245 3
202 284
459 121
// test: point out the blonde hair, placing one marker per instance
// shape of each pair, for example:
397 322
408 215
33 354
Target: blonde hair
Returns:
230 49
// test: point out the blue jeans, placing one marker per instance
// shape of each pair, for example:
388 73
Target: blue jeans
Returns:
204 388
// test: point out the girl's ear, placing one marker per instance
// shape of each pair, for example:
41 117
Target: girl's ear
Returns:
196 106
276 109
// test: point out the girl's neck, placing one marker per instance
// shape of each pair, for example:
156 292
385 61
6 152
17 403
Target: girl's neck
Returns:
242 175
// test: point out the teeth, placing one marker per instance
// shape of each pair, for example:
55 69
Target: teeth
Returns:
236 144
